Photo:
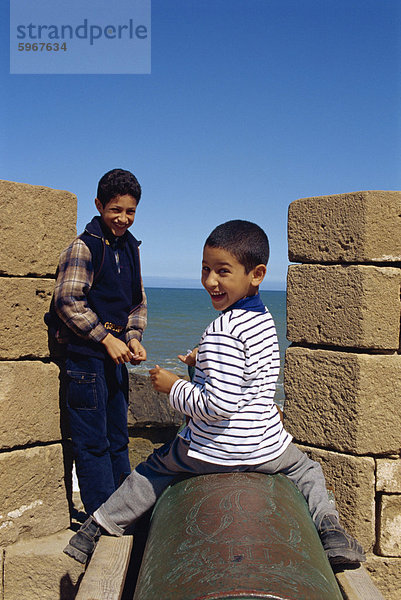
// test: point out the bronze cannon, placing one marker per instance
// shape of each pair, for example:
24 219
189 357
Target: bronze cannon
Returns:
235 535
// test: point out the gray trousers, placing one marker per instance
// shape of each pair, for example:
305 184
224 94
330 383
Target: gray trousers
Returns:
171 463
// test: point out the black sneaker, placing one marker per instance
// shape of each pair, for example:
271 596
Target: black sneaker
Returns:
340 547
83 543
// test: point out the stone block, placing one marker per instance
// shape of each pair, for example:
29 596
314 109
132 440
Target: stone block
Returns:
23 303
143 441
343 400
352 480
386 574
1 571
148 407
32 493
351 306
38 569
37 223
359 227
388 475
389 540
29 403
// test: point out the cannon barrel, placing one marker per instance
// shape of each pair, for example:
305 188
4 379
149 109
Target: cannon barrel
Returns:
234 535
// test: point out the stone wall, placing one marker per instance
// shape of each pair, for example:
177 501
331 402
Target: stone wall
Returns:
343 369
36 224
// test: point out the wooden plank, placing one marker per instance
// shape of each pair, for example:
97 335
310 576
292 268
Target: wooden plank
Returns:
105 576
356 584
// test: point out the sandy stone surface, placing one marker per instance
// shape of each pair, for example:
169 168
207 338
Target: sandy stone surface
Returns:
2 571
143 441
38 569
386 574
23 304
350 306
32 493
352 480
345 401
388 475
29 406
389 541
45 226
355 227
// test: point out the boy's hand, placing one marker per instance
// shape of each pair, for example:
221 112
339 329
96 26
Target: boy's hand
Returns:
189 358
138 351
162 380
117 349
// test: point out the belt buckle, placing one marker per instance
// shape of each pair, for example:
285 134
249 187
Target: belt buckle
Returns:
112 327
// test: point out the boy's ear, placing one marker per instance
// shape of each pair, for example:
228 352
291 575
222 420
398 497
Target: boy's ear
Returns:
99 205
258 274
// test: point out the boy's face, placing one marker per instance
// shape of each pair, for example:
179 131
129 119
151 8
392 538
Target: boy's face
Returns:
118 214
226 279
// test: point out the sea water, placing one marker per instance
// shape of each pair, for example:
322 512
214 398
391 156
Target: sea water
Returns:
177 319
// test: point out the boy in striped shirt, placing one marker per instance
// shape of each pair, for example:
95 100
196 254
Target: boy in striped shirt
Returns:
232 421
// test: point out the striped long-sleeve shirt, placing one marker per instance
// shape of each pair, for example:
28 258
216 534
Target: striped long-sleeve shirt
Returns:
233 419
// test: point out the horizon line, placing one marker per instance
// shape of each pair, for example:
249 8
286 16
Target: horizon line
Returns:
188 283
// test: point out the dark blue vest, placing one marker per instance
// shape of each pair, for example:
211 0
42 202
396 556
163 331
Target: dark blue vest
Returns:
116 288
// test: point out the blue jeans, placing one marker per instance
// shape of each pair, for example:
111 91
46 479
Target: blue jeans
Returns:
97 405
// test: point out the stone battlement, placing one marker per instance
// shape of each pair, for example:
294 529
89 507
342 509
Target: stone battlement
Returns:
343 370
342 378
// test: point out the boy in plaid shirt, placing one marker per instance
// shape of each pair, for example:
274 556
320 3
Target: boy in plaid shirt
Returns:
100 300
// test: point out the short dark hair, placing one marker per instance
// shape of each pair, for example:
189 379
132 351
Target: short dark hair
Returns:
118 182
246 241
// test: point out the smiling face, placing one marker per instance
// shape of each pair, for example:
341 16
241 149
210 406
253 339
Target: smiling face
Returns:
226 280
118 214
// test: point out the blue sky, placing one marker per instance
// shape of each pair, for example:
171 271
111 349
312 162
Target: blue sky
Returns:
250 105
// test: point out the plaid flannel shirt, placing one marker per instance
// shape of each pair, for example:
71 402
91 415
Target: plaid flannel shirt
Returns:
74 280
